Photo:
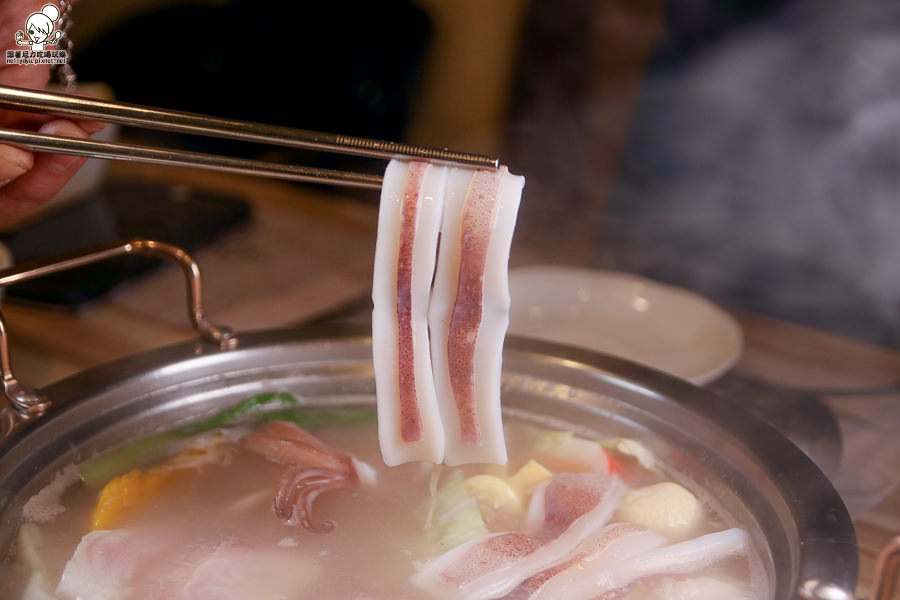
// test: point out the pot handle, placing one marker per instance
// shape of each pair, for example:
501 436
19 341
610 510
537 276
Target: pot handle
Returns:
884 579
887 571
29 402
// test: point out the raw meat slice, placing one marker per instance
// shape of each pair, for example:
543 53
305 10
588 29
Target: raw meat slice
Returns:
106 565
138 564
233 571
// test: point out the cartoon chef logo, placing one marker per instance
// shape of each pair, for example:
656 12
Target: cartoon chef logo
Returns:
39 29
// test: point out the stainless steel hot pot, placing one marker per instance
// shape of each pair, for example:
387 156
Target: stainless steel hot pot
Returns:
753 472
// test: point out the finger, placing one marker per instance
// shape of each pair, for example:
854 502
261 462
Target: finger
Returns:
17 119
14 119
48 175
91 127
14 162
32 121
57 169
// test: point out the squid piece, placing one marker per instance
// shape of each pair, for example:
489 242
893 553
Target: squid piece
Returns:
574 507
611 544
677 559
570 502
409 422
613 578
481 568
315 468
469 311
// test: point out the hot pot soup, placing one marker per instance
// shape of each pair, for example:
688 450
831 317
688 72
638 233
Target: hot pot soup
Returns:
271 499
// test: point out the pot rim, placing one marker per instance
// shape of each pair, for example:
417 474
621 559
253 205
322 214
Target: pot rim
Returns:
825 548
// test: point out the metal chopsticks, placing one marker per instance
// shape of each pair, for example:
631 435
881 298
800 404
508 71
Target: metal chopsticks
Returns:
134 115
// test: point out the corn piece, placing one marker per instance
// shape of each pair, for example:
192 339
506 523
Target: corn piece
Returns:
498 502
529 477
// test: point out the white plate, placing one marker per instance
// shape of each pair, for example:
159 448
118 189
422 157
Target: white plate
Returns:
664 327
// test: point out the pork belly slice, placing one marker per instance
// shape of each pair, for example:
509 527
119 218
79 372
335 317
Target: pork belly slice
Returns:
469 311
409 423
494 565
235 571
141 564
107 565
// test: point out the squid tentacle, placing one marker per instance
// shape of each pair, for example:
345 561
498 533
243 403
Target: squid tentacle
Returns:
299 488
314 468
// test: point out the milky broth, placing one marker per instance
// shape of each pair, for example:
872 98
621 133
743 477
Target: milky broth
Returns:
381 531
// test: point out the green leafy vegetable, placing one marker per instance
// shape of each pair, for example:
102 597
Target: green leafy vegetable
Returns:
233 413
310 418
97 471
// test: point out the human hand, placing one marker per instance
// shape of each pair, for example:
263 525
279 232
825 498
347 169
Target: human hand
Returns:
29 179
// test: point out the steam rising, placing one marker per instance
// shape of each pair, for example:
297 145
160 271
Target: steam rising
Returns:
764 171
766 174
760 168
